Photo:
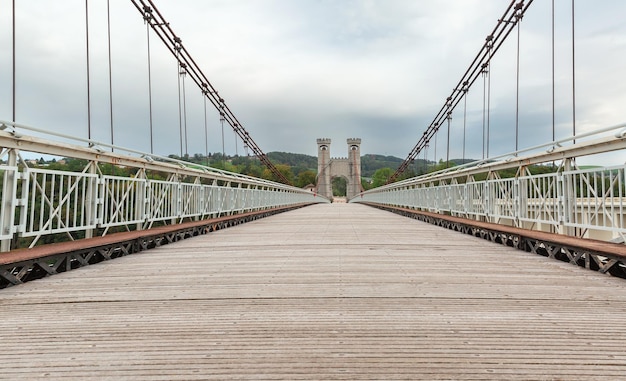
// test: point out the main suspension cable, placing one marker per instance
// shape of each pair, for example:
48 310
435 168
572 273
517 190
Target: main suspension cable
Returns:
172 43
494 41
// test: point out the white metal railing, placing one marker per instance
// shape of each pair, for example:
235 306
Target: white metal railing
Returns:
584 199
37 202
162 200
540 201
581 202
600 198
56 202
122 201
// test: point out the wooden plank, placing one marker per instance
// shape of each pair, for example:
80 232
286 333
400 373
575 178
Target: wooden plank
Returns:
341 292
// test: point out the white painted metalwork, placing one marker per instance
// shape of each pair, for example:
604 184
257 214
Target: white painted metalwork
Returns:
581 202
600 198
38 202
162 200
9 188
122 201
56 202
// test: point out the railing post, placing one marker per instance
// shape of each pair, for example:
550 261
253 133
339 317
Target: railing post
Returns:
143 198
466 201
522 189
516 201
196 196
487 200
255 198
176 200
201 210
9 194
567 198
239 203
91 200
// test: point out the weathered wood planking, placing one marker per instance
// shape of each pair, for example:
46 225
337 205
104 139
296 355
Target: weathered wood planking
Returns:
342 292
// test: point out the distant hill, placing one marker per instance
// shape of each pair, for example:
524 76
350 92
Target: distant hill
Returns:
372 162
294 160
369 163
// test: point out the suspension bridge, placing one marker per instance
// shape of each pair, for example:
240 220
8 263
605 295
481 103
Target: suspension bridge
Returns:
140 265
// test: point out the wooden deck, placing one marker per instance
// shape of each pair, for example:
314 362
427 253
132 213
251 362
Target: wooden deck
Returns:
341 292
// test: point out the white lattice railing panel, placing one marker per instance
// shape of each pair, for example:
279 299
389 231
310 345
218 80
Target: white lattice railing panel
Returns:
541 194
57 202
502 198
458 205
476 203
191 200
163 199
600 198
123 201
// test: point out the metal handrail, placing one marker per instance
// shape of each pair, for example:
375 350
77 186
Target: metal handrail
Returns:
555 151
38 202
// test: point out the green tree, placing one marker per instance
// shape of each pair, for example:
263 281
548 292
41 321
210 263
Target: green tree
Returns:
305 178
252 169
284 169
340 186
366 184
442 165
381 176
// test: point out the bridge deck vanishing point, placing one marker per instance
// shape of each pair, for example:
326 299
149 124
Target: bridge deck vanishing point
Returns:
333 291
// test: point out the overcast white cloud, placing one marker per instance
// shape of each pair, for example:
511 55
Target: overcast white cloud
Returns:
293 71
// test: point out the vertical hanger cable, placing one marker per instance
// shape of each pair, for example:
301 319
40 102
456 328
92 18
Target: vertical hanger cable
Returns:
110 71
88 76
573 76
13 33
148 20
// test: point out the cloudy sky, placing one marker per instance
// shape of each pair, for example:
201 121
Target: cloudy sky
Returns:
296 70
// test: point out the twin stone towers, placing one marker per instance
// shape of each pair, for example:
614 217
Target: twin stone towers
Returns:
346 167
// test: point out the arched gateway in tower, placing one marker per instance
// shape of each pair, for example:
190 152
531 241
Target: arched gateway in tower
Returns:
348 168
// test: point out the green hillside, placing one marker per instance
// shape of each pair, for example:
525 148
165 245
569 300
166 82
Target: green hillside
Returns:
370 163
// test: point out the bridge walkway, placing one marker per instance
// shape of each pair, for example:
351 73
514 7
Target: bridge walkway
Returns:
335 291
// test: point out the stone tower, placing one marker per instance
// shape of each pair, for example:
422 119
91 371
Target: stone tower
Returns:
347 167
324 186
354 167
